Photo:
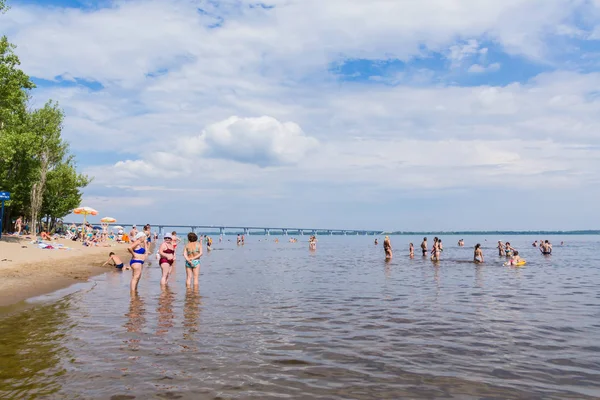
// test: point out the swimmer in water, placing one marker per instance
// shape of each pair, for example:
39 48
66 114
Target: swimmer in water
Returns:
115 260
138 256
376 242
534 244
411 250
461 243
435 250
501 248
312 243
424 246
508 250
167 257
478 254
387 248
546 248
515 259
192 253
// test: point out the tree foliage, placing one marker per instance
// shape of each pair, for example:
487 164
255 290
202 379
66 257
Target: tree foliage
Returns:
35 163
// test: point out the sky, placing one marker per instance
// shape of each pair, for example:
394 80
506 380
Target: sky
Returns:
342 114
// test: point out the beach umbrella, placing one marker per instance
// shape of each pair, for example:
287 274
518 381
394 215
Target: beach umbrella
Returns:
85 211
118 227
108 220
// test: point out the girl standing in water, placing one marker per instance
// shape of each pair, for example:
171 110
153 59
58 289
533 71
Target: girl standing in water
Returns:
500 248
435 250
312 243
192 253
166 252
138 256
387 248
411 250
478 254
508 250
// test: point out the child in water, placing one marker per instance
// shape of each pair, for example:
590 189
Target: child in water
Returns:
411 250
515 259
113 258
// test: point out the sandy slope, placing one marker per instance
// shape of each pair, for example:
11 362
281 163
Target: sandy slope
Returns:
30 271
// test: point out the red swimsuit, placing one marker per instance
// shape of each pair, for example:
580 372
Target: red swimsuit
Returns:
167 261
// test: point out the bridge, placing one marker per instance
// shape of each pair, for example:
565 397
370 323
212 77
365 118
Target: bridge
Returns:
253 230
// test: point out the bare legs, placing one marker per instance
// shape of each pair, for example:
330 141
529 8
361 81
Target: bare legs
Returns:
166 272
136 274
192 273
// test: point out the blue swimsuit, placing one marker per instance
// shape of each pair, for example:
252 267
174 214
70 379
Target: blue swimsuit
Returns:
138 251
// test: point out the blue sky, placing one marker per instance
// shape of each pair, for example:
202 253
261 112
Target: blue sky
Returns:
470 114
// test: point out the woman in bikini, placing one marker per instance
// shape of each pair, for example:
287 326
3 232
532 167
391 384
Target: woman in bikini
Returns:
192 253
387 248
478 254
508 250
138 256
435 250
167 256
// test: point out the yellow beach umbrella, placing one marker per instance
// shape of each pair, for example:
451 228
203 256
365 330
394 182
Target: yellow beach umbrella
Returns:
108 220
85 211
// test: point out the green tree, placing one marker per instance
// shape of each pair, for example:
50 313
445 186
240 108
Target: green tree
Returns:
47 151
63 191
33 153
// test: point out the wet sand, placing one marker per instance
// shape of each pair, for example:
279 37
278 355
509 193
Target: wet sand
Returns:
29 271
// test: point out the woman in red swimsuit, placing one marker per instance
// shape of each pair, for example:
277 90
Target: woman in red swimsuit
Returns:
167 256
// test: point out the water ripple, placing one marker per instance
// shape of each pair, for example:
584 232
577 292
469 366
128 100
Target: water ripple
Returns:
274 321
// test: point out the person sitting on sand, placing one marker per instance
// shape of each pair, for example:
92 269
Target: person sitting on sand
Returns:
115 260
45 235
387 247
478 254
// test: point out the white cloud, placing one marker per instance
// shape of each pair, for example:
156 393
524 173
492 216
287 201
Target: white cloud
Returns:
262 141
479 69
172 84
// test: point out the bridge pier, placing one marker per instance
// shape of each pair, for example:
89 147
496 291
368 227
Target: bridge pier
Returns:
221 231
160 229
285 232
267 232
193 229
246 231
301 232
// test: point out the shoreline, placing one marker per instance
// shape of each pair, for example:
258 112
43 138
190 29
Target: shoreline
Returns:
27 272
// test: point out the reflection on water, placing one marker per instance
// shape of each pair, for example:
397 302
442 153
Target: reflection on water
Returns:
275 320
165 310
191 313
31 351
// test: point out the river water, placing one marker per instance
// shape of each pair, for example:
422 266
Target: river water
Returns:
273 320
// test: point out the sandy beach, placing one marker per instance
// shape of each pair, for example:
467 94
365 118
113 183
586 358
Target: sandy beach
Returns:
27 271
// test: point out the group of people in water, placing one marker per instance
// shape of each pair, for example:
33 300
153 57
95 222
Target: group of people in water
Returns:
141 247
504 250
142 241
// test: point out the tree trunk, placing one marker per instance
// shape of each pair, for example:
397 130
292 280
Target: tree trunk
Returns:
37 192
